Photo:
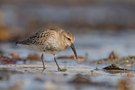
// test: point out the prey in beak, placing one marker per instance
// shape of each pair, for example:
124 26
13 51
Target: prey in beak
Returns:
73 48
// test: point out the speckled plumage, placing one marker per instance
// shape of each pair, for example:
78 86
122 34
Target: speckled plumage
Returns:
50 40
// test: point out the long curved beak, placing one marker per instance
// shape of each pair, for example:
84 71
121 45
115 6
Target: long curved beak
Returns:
73 48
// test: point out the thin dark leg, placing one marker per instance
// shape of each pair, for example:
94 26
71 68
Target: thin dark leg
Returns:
42 58
56 63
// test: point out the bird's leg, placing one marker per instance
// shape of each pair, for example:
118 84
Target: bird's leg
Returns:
42 58
59 69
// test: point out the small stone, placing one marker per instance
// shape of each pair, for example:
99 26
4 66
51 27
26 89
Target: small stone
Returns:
80 79
125 84
33 57
113 56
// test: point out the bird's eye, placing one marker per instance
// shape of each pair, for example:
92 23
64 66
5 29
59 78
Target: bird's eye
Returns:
69 39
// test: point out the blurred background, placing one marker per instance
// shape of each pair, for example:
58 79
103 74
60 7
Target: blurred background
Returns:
99 26
18 17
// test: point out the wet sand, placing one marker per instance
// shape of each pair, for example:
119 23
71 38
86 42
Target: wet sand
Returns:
29 76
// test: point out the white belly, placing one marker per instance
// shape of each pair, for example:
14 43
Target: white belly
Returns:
42 48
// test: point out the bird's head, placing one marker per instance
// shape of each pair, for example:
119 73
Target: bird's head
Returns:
69 41
69 38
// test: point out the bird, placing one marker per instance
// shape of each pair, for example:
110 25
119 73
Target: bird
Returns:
50 40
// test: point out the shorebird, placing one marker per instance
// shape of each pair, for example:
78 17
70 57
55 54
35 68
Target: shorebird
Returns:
50 40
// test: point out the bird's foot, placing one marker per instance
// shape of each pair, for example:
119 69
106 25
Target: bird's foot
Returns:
62 70
43 69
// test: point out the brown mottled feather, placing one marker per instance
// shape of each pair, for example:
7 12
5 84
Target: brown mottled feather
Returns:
38 38
50 40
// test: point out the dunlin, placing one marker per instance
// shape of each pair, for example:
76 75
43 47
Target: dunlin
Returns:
50 40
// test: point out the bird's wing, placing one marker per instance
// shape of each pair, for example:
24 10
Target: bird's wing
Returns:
38 38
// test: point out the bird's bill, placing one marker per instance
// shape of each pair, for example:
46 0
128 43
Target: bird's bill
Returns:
73 48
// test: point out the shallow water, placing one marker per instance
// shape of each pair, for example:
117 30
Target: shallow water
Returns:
97 44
